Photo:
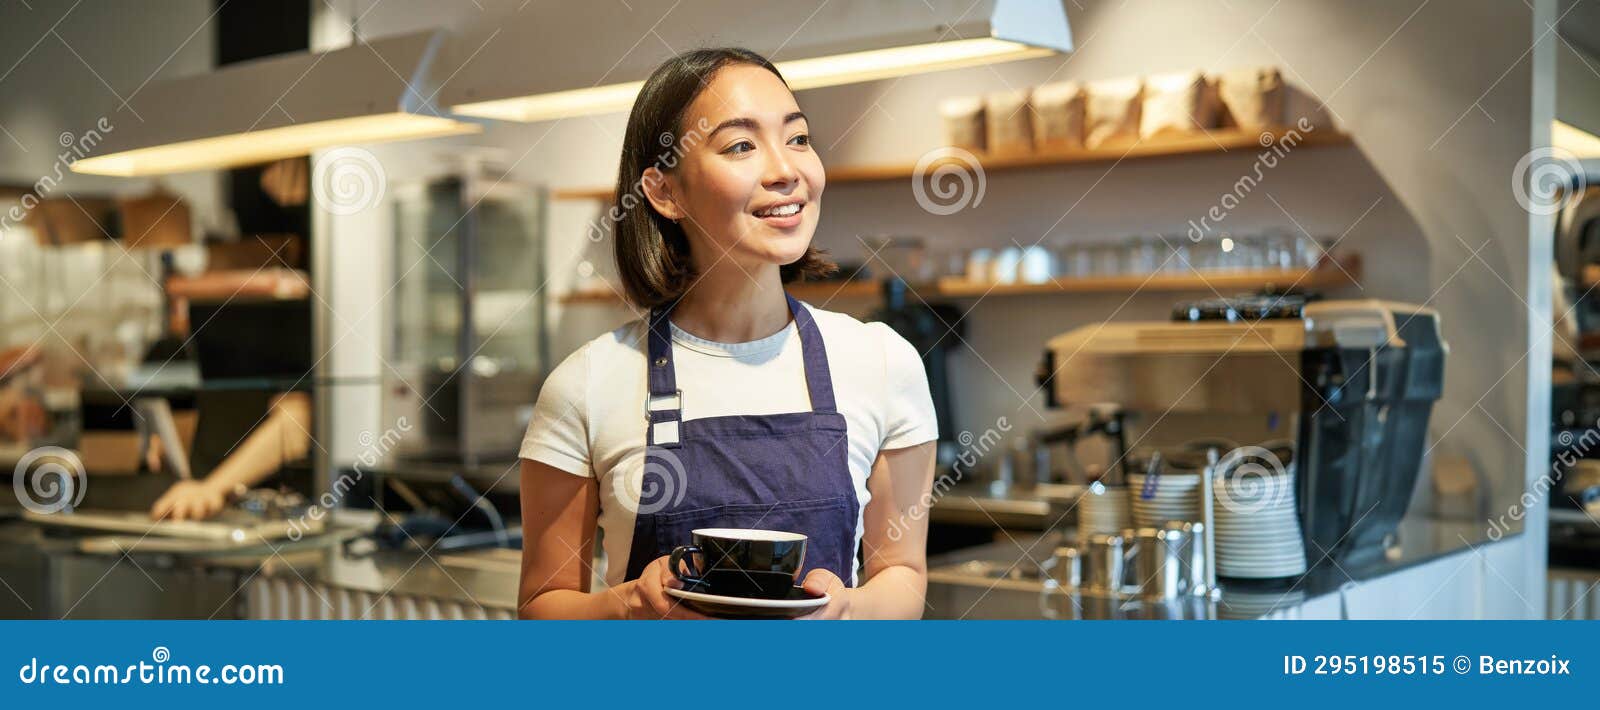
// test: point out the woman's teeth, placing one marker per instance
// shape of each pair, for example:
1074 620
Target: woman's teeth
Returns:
781 211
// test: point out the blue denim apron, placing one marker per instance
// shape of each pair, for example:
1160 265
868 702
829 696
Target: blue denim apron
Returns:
787 472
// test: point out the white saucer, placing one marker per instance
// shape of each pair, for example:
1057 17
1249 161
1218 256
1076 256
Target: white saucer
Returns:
719 605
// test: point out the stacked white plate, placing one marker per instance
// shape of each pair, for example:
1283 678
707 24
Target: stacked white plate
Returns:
1258 533
1174 496
1103 509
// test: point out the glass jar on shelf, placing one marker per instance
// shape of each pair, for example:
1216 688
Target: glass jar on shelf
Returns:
1206 252
1178 254
1143 254
948 262
1308 251
1075 260
898 256
1229 256
1107 259
1250 252
980 265
1279 249
1037 265
1007 264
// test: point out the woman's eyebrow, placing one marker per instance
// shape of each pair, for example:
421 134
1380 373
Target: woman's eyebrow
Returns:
750 124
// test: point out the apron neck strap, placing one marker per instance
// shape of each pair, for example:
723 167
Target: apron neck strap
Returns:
819 380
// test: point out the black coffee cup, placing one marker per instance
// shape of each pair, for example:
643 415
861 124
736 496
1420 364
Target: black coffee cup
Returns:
738 562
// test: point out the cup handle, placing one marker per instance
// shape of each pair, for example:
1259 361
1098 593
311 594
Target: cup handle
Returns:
680 554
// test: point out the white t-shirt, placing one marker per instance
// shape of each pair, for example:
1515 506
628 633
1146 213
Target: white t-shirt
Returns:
590 419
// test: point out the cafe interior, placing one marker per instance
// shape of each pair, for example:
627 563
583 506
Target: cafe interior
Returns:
1228 309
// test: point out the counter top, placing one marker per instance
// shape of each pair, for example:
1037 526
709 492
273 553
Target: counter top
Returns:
955 592
483 578
488 578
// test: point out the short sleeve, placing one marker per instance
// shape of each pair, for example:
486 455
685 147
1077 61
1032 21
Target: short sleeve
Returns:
908 418
558 432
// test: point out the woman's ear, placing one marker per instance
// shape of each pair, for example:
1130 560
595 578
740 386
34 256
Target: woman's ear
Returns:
660 190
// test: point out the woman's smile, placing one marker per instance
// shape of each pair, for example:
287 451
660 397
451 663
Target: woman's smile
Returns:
785 214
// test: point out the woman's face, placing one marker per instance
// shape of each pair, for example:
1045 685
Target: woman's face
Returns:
749 188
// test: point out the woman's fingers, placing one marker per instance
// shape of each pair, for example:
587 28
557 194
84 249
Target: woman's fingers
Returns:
655 595
820 581
669 578
670 607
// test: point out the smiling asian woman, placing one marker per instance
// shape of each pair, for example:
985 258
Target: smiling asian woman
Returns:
733 405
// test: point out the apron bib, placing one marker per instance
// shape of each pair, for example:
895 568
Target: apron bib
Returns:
785 472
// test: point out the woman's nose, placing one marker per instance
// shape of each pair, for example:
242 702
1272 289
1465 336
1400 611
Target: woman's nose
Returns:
780 169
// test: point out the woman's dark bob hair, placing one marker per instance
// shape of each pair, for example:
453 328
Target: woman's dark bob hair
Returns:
652 251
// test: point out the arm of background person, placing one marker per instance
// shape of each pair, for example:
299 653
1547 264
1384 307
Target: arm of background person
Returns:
283 436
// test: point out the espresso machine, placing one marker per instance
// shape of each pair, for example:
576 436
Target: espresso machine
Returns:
1346 385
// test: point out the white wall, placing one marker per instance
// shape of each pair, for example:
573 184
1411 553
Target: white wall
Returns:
1437 96
72 76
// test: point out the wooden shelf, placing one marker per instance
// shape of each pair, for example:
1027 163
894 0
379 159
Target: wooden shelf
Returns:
1329 275
1209 142
1223 282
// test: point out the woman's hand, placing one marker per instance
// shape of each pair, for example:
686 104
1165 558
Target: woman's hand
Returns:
820 581
646 597
189 500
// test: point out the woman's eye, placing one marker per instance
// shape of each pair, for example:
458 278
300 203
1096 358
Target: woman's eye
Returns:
801 139
740 147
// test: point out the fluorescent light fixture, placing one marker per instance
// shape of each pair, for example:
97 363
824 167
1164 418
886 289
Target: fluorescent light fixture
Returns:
833 70
1575 140
556 104
841 43
278 107
271 144
878 64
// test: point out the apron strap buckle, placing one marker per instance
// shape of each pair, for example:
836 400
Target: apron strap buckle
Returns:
664 413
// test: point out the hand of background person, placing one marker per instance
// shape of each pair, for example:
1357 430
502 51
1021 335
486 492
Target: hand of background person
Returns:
189 500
